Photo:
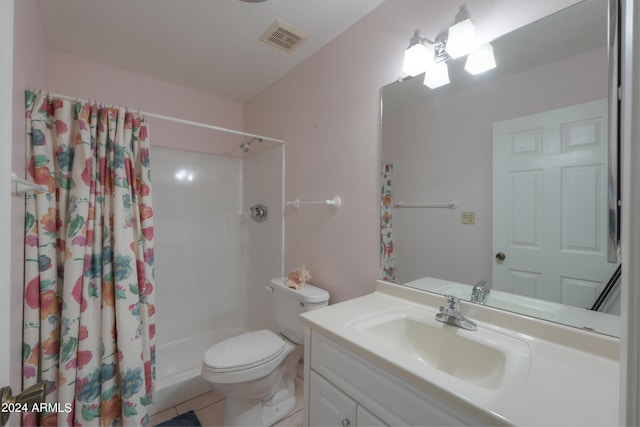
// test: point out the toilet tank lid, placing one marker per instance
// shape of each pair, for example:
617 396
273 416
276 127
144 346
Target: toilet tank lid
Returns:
307 293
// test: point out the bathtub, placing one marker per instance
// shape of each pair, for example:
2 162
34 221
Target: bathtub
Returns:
178 367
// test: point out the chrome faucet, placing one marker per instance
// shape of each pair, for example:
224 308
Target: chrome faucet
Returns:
480 292
451 315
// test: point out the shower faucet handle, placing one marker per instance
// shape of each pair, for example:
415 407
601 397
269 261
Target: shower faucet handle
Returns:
259 212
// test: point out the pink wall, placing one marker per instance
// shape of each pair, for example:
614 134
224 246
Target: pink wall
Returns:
76 77
328 111
29 70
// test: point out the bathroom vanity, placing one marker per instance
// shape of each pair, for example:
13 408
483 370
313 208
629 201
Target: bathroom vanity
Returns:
384 359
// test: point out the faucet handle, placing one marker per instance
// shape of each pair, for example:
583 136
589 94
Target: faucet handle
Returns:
481 284
452 302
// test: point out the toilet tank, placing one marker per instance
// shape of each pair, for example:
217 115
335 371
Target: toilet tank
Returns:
287 304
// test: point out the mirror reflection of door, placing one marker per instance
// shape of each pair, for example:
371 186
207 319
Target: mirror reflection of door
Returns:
549 205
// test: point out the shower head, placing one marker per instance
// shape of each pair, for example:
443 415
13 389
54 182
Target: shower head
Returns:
245 146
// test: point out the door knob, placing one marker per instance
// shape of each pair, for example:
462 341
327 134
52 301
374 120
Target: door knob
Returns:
22 402
500 256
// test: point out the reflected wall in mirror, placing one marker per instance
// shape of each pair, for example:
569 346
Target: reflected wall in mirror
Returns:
523 150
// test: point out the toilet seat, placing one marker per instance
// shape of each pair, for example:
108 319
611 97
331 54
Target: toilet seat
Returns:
244 351
245 357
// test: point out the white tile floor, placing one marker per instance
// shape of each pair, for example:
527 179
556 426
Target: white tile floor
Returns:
209 408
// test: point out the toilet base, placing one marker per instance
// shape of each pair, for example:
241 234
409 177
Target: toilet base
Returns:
261 412
280 405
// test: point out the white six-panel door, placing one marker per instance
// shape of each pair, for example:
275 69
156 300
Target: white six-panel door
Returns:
549 204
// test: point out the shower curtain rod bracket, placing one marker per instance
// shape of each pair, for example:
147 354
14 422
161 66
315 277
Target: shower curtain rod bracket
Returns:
22 185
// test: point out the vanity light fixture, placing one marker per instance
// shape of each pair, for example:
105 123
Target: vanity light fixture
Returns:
430 57
437 75
461 40
481 60
417 55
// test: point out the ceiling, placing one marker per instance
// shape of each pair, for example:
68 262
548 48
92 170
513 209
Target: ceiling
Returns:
209 45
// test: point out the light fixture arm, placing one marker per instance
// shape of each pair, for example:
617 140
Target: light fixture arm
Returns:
439 47
418 38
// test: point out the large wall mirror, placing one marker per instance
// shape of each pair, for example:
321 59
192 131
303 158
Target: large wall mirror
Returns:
506 176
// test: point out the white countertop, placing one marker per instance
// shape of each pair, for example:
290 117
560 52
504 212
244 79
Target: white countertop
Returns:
572 378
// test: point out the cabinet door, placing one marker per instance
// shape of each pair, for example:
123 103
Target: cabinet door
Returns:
328 405
367 419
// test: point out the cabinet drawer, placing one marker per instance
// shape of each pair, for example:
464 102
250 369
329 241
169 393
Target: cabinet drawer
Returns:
367 419
330 406
393 401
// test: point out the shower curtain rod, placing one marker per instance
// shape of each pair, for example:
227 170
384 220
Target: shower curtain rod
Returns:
188 122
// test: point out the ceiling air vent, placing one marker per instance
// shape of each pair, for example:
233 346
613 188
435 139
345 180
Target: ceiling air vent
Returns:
283 36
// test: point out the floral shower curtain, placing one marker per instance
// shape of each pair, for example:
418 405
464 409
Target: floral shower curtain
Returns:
89 278
387 258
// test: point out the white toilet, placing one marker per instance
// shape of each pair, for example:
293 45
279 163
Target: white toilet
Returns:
255 371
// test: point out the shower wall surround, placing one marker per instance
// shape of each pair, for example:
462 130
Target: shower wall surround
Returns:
201 237
263 182
212 261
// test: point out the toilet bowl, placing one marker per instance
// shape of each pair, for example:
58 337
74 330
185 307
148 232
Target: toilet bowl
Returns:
255 371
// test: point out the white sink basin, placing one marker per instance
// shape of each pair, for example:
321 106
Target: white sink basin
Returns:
485 358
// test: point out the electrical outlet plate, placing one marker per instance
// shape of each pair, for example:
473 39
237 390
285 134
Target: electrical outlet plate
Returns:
468 217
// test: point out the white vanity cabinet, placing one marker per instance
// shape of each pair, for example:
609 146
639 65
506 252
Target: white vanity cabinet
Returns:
345 389
331 407
384 359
